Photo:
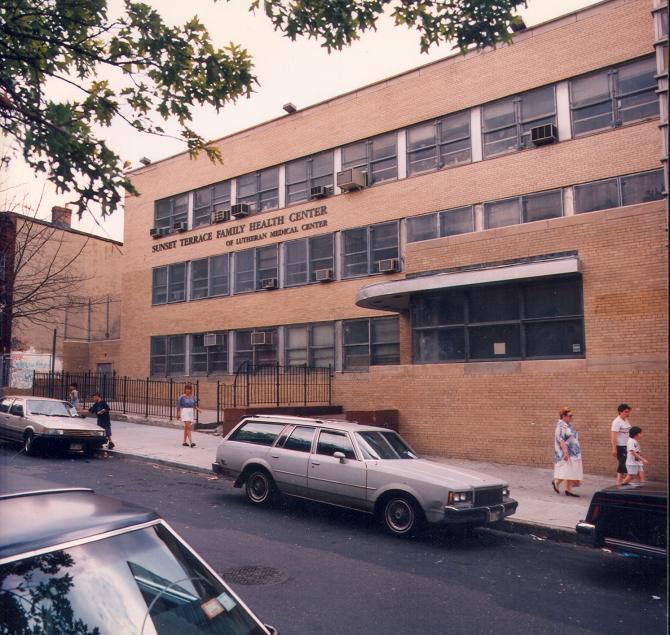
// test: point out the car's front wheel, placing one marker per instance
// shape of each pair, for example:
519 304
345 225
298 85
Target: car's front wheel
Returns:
259 487
29 443
401 515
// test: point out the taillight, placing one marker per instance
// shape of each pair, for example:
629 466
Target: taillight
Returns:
595 512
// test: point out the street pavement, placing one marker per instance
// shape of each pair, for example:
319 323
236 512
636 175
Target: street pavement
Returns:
541 511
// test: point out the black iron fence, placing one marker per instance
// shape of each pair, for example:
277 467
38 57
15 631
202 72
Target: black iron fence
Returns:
275 385
128 395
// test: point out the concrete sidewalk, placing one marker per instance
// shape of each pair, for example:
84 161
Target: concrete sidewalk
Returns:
541 511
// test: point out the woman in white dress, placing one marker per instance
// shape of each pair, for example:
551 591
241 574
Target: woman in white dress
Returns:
567 455
187 405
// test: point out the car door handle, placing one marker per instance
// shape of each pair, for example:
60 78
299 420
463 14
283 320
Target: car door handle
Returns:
315 463
274 456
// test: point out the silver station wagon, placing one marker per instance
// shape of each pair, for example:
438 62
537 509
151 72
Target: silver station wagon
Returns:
360 467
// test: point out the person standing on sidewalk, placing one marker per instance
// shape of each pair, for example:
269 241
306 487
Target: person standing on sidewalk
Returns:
567 455
619 439
635 462
187 404
101 410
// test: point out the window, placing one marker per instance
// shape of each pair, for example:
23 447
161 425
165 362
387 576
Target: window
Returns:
331 442
364 247
377 157
253 266
170 211
255 347
530 320
447 223
310 345
622 190
302 258
209 277
614 96
372 342
209 359
506 124
257 432
259 190
266 265
439 143
169 284
304 174
244 271
214 198
300 440
524 209
168 355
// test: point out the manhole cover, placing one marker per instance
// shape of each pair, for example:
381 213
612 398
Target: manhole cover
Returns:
250 575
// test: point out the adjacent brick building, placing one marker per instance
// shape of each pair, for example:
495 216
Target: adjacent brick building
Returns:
474 244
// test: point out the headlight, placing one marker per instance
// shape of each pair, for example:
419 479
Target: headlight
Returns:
56 431
505 492
459 497
99 433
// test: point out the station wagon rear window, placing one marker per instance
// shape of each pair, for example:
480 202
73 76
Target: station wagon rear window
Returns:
259 433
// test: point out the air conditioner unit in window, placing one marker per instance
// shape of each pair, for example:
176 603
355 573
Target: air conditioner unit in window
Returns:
269 283
323 275
155 232
261 338
164 231
213 339
220 215
351 179
181 227
319 191
542 135
240 210
390 265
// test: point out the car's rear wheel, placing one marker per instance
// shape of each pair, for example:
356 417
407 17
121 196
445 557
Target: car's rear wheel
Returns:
29 443
259 487
401 515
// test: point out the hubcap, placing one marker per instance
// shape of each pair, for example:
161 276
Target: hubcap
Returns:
258 487
399 515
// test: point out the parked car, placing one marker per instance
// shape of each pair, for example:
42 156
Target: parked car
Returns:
360 467
39 423
629 519
73 561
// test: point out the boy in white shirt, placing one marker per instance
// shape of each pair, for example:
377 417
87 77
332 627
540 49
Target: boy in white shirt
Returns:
619 437
635 462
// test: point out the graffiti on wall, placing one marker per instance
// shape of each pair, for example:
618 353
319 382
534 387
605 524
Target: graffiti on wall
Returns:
24 363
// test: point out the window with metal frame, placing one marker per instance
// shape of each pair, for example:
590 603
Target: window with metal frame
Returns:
246 350
310 345
506 124
370 342
377 157
168 355
304 174
533 319
209 277
245 277
450 222
435 144
614 96
259 190
210 199
300 439
364 247
209 360
267 266
169 211
169 283
631 189
331 441
523 209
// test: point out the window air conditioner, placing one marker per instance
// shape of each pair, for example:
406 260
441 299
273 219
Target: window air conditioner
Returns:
319 191
220 215
155 232
323 275
269 283
164 231
391 265
261 338
213 339
542 135
240 210
181 227
351 179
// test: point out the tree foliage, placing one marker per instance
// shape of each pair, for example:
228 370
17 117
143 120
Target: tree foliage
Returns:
137 68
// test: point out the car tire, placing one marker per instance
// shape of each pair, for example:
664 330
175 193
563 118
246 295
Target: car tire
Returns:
29 446
401 515
259 488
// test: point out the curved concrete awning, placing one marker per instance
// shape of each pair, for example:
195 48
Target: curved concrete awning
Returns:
394 295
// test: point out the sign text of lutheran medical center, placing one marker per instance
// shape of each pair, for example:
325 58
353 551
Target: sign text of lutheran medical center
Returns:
251 231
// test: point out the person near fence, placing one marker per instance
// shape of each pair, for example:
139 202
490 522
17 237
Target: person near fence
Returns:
187 405
101 410
73 395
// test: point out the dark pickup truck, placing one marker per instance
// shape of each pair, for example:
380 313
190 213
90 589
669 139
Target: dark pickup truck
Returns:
628 519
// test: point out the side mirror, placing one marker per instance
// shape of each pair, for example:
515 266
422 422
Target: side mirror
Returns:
339 455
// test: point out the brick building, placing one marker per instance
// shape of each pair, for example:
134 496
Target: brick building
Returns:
474 244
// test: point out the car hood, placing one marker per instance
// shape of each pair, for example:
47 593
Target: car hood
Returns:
433 472
64 423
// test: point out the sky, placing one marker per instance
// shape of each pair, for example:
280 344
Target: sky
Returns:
300 72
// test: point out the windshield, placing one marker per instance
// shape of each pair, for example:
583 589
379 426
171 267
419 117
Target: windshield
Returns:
384 445
144 581
51 408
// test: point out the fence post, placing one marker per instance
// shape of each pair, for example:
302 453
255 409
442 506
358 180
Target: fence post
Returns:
146 398
197 400
170 402
125 392
305 384
330 386
277 382
246 372
218 401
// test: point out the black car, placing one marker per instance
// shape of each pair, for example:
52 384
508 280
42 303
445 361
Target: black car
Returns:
72 561
628 518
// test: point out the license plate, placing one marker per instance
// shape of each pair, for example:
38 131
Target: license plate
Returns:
76 446
494 515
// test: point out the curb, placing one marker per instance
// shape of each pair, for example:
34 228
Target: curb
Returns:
166 462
